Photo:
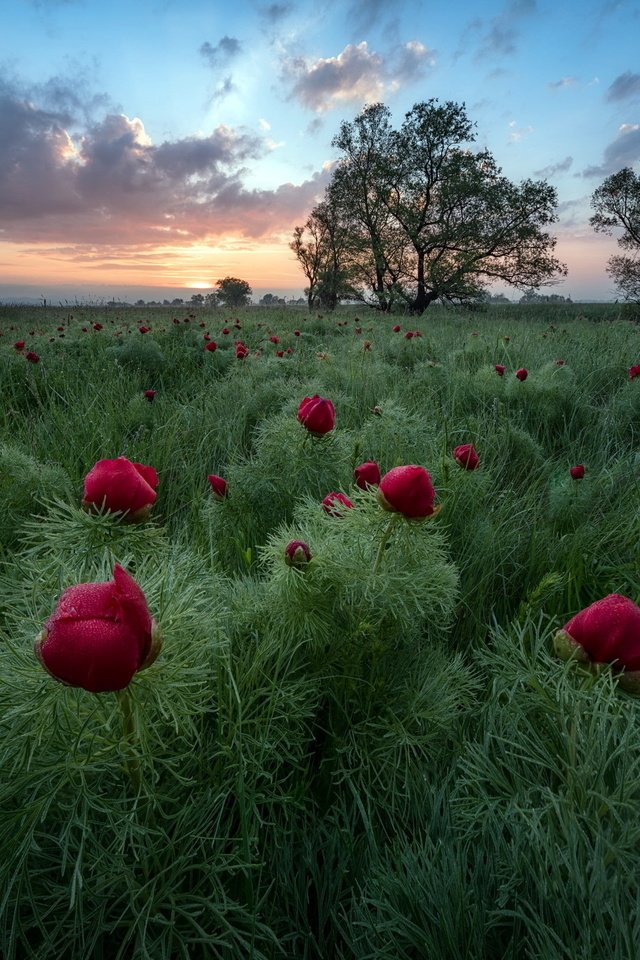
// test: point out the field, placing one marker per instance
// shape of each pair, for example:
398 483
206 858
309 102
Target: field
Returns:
378 754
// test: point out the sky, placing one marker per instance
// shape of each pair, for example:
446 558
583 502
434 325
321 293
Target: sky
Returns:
149 146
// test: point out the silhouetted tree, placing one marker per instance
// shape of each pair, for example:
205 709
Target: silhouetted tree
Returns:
617 204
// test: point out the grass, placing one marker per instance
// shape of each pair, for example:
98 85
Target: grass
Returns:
341 761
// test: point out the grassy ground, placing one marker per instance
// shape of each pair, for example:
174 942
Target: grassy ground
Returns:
340 762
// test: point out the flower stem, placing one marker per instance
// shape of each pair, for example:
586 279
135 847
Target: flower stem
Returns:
388 530
132 761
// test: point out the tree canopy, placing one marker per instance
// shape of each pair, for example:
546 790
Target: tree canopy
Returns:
616 204
413 215
233 292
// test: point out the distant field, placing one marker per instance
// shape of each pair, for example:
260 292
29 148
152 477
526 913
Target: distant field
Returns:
375 756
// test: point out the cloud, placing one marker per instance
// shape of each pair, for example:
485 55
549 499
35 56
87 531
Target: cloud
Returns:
624 151
66 183
624 87
517 133
223 89
554 168
354 75
563 83
224 50
274 13
500 35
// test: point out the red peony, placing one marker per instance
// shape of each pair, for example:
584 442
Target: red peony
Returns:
150 394
32 357
121 486
577 472
317 414
608 631
99 635
144 329
500 369
367 474
218 486
297 553
634 371
466 456
335 504
407 490
210 346
522 374
396 328
241 351
19 344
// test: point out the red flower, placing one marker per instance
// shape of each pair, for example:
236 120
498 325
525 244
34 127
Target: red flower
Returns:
211 345
279 353
99 635
144 329
559 363
608 631
634 371
408 335
396 328
407 490
274 339
522 374
335 504
241 351
97 326
297 553
226 330
466 456
577 472
367 474
121 486
19 344
150 394
500 369
317 414
32 357
218 486
296 333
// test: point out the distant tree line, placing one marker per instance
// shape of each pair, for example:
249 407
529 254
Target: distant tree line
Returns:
413 215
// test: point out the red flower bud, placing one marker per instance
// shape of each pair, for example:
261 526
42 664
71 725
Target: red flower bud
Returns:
559 363
241 351
121 486
296 333
297 553
335 504
144 329
367 474
396 328
97 326
608 631
219 486
466 456
577 472
407 490
274 339
317 414
32 357
19 344
634 371
522 374
150 394
409 335
225 330
500 369
99 635
210 346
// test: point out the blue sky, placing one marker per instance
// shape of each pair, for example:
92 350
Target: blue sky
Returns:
157 143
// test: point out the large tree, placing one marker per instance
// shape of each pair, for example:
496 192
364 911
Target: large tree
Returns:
233 292
428 218
320 247
616 203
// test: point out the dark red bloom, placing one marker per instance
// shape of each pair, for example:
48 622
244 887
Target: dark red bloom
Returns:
218 486
297 553
407 490
97 326
211 345
500 369
607 631
122 487
335 504
559 363
274 339
32 357
279 353
144 329
150 394
241 351
522 374
466 456
99 635
367 474
226 330
296 333
317 414
577 472
409 335
396 328
19 344
634 371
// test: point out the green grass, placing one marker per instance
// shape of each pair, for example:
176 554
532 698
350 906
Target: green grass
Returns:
341 761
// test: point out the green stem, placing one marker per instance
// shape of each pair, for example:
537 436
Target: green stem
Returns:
385 537
132 761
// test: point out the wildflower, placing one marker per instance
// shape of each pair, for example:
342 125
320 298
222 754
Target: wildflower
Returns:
466 456
522 374
500 369
367 474
150 394
607 631
122 487
297 553
407 490
577 472
335 504
317 414
219 486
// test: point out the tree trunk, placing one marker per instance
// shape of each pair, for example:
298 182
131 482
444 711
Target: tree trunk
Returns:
423 296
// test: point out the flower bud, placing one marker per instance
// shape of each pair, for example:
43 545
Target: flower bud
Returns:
122 487
317 415
367 475
607 631
500 369
335 504
522 374
577 472
99 635
297 553
407 490
466 456
218 486
634 371
150 394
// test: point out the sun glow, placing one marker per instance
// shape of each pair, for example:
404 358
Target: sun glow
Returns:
199 285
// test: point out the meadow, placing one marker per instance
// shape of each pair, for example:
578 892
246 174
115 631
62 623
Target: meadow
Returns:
376 755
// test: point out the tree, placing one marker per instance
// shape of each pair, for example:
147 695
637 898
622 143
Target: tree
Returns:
426 218
197 299
616 203
233 292
322 255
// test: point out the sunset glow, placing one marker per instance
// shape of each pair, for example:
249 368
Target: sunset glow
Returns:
119 171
